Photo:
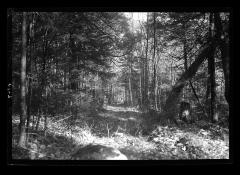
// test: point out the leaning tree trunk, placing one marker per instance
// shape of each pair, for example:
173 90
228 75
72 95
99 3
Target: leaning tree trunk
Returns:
186 67
170 108
22 138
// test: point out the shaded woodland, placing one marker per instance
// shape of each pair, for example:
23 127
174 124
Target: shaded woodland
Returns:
109 85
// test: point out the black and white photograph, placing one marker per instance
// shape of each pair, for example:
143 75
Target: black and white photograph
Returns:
105 85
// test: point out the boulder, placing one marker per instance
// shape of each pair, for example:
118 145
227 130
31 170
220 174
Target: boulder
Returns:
98 152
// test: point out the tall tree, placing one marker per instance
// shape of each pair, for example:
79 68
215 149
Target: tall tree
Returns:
130 83
222 38
22 138
29 70
145 94
211 67
155 78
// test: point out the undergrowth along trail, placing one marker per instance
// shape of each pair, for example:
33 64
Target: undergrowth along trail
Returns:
122 128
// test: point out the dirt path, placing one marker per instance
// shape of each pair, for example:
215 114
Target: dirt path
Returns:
120 127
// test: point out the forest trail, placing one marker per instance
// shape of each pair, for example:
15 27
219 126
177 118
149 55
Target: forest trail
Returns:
74 75
120 127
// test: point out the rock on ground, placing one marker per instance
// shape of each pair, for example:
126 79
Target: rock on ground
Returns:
98 152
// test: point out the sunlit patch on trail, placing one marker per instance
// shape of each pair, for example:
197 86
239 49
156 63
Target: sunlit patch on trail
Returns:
109 115
120 113
121 109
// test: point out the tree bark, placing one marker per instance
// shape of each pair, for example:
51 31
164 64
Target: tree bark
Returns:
212 87
141 82
145 94
208 88
185 55
208 91
130 85
45 125
30 73
224 48
156 89
159 96
140 87
9 65
65 80
211 68
22 138
38 119
155 83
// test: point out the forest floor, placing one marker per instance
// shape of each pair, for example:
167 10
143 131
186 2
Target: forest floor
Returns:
122 128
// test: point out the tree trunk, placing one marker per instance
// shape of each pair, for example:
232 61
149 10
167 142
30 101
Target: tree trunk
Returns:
112 94
38 120
224 53
195 94
29 97
22 138
141 82
43 73
186 67
208 88
30 73
185 58
208 91
225 64
45 125
127 94
65 80
170 107
155 83
9 56
212 87
211 67
145 94
159 96
156 89
130 87
140 88
33 122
